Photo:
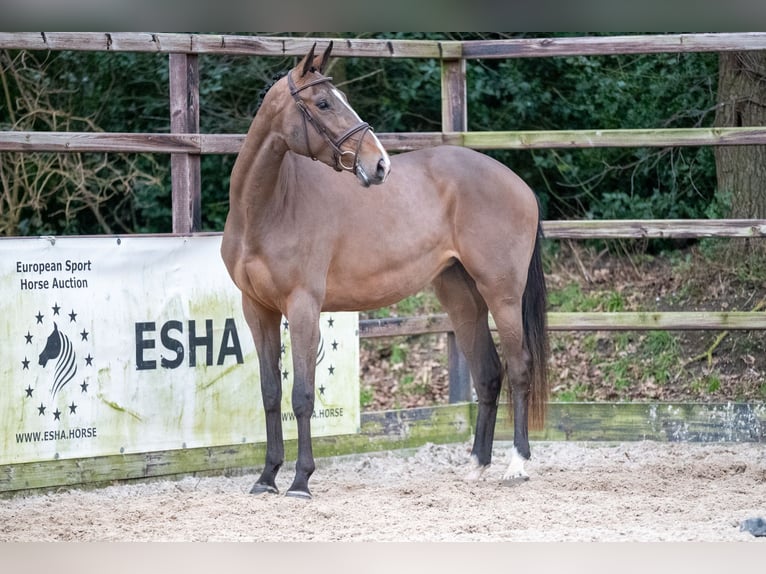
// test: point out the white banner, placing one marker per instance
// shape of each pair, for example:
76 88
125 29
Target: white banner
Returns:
138 344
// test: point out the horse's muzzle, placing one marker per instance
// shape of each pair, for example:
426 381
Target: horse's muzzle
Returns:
377 176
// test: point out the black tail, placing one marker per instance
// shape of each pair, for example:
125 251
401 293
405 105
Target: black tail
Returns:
534 303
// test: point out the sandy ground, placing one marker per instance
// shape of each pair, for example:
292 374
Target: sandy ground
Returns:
642 491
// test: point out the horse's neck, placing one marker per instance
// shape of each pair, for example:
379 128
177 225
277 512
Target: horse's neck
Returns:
255 190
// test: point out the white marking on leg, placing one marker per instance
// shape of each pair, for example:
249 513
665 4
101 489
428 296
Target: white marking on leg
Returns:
516 467
475 470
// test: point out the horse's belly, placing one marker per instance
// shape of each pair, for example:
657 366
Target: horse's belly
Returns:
371 286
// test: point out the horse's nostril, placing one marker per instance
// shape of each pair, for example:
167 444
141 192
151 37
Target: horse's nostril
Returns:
382 170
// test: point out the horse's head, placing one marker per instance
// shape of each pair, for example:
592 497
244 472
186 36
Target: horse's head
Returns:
52 347
325 127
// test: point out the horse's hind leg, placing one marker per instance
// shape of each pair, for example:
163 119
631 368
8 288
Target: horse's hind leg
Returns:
264 325
467 310
508 318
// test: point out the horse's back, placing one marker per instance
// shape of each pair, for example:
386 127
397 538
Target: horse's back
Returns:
463 169
481 186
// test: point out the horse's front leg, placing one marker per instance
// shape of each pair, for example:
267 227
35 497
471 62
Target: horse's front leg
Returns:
264 325
303 317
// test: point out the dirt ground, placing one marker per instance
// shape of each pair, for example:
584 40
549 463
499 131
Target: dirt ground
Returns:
638 491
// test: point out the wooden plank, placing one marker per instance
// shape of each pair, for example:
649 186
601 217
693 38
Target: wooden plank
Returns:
298 47
230 143
665 422
587 321
654 228
412 141
575 139
676 137
142 42
404 326
215 44
221 143
411 428
186 176
65 142
382 48
399 142
376 48
611 45
27 141
403 141
670 321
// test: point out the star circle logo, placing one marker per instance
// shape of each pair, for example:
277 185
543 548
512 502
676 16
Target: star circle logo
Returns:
57 366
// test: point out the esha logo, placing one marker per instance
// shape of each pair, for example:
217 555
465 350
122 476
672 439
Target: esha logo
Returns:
56 370
59 381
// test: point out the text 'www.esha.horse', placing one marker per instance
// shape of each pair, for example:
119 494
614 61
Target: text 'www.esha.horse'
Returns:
301 239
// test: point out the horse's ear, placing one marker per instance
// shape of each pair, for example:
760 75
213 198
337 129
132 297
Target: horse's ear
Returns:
307 62
325 58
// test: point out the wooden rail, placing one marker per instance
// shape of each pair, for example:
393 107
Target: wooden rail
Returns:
222 44
188 142
589 321
654 228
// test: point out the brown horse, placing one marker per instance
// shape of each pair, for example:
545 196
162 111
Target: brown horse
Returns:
300 239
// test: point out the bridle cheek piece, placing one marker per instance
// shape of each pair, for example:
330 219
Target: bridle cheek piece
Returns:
338 153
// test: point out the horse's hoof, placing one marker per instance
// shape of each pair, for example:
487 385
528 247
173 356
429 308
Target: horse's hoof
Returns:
515 470
518 475
475 470
259 488
515 480
301 494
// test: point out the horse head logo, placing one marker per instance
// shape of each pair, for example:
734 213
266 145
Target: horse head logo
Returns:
59 347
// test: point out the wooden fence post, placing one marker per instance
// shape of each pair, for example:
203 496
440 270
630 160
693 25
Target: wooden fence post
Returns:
459 375
454 92
185 167
455 119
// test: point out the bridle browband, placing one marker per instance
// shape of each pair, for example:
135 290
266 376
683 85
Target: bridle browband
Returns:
338 153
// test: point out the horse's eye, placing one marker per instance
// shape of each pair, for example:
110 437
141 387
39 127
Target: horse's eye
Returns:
323 105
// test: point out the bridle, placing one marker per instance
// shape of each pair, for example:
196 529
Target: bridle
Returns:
338 154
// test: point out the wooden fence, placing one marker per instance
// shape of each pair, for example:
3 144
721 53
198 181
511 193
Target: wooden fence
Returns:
186 144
